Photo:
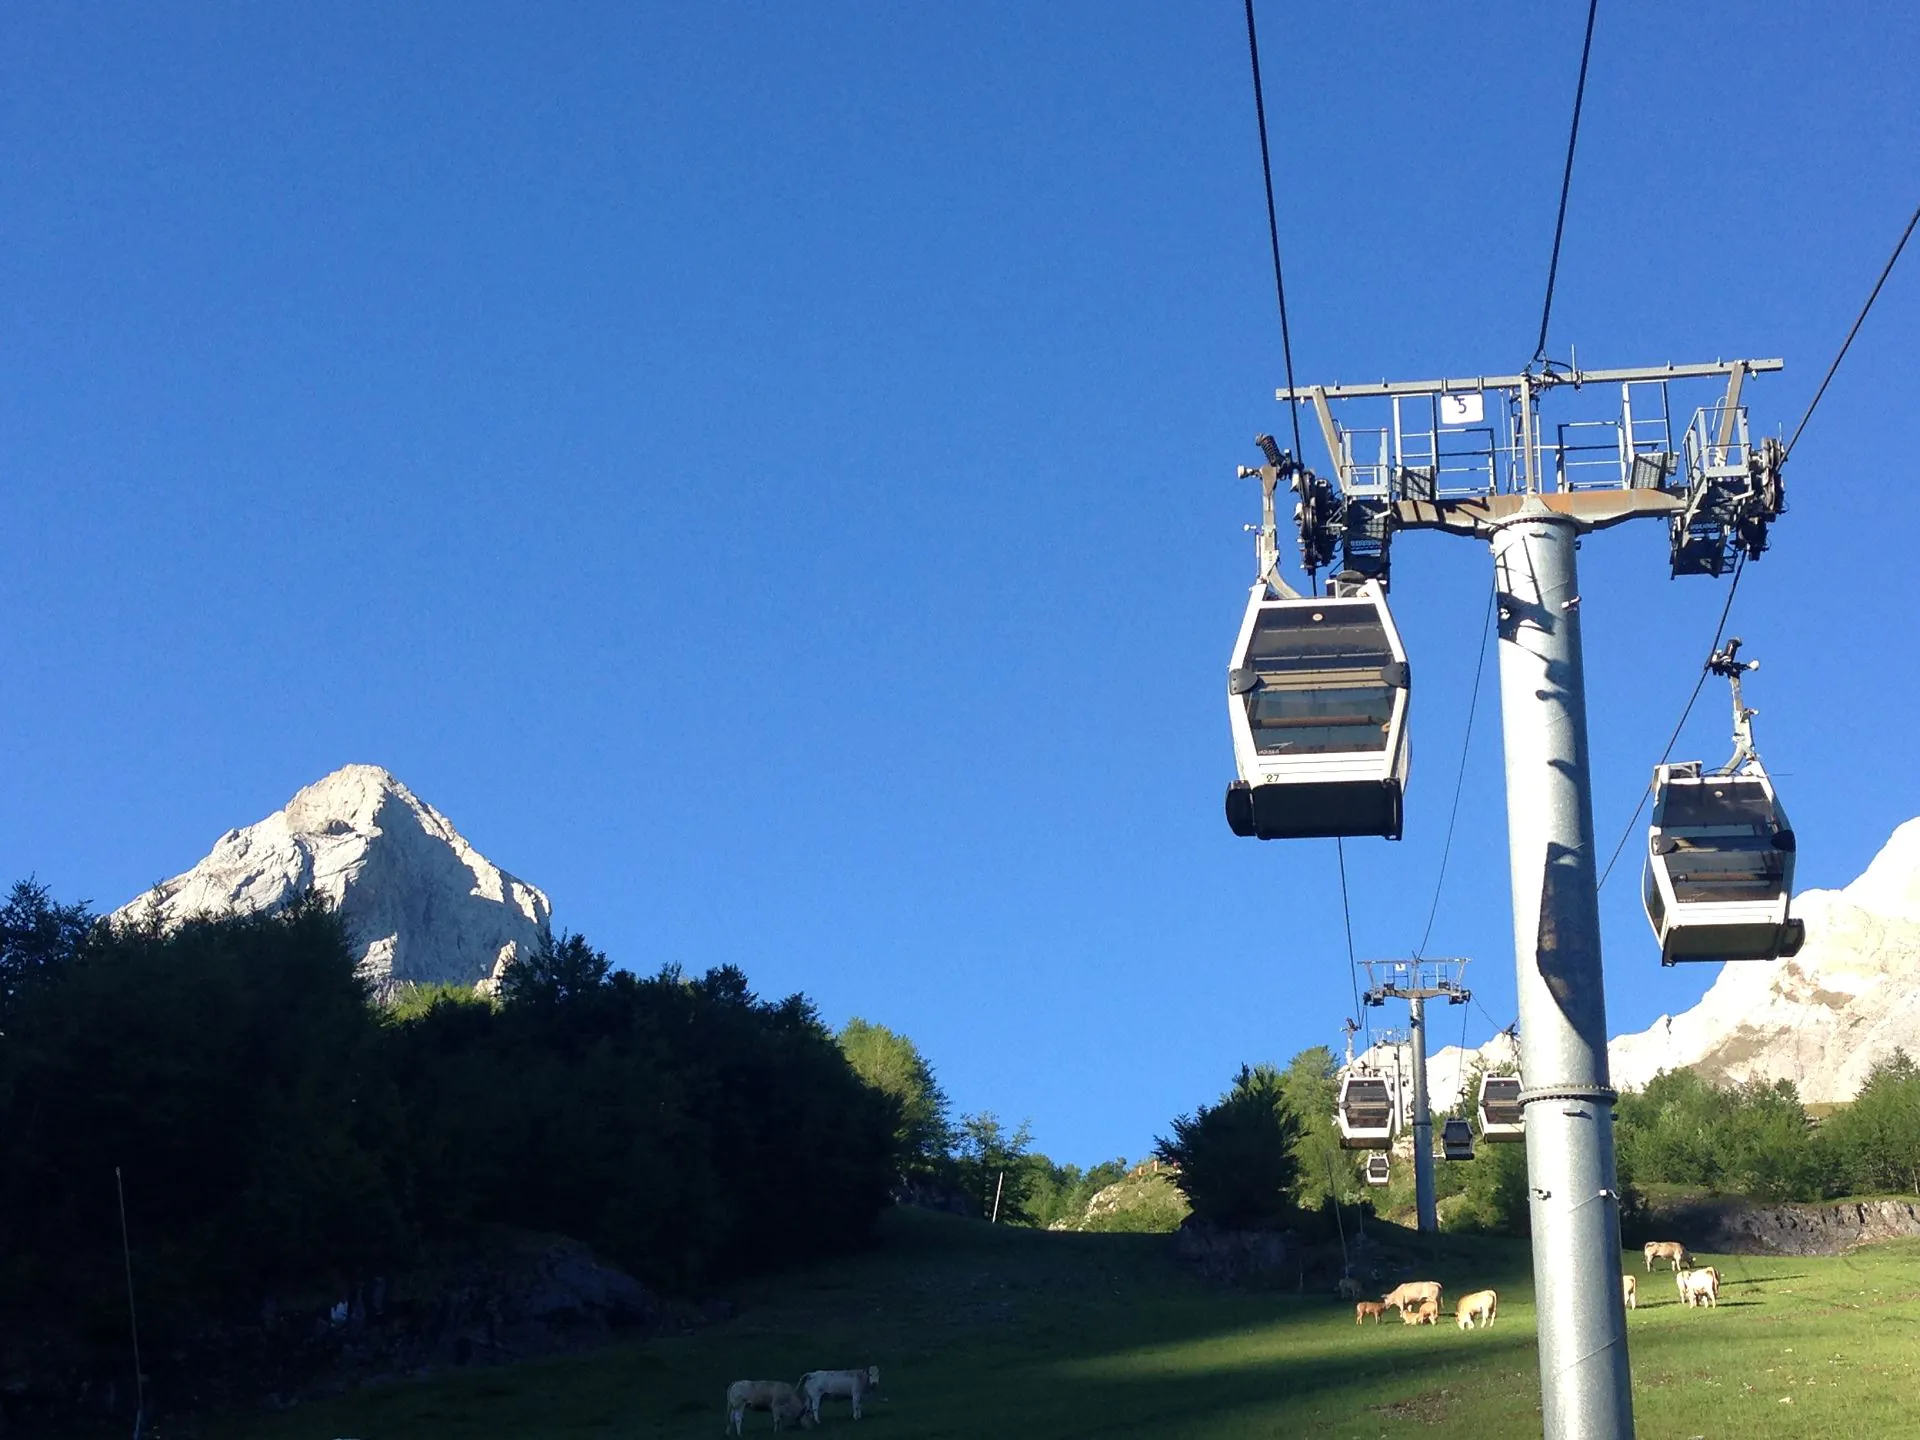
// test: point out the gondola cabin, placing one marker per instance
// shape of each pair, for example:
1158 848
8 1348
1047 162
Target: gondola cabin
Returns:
1456 1140
1366 1112
1719 872
1317 697
1502 1117
1378 1170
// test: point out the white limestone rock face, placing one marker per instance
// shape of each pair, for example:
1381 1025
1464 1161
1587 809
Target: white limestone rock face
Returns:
1821 1019
422 904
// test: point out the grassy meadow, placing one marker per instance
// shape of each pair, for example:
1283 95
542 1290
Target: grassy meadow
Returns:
982 1331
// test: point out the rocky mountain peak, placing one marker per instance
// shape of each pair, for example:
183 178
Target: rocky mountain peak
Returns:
423 905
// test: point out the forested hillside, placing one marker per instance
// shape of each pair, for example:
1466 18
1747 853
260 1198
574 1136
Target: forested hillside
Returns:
281 1138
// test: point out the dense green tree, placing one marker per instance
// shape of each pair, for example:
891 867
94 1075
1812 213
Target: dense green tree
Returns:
992 1165
1492 1191
38 937
1311 1087
1753 1139
282 1138
232 1071
1236 1159
893 1064
1059 1193
1875 1141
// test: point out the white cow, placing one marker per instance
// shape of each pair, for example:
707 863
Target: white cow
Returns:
1480 1307
1699 1287
774 1395
854 1385
1630 1291
1411 1295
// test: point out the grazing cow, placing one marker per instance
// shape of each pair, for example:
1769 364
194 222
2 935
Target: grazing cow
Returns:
854 1385
775 1395
1699 1287
1411 1294
1481 1306
1348 1288
1368 1310
1666 1250
1428 1313
1630 1291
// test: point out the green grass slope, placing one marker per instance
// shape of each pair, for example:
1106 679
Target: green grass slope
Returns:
996 1332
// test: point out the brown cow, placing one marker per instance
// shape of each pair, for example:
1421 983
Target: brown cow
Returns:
1666 1250
1368 1310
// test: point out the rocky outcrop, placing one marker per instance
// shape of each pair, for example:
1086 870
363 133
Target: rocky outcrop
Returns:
1822 1019
1735 1227
423 905
1146 1200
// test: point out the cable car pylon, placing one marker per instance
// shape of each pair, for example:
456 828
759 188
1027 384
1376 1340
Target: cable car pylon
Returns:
1440 457
1416 982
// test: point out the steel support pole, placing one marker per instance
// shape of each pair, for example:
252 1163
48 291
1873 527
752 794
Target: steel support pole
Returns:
1585 1389
1422 1118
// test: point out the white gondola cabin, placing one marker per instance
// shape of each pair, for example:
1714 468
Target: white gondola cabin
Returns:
1719 873
1456 1140
1317 698
1378 1170
1366 1112
1502 1117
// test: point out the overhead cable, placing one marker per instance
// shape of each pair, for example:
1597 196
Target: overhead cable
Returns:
1566 180
1858 320
1466 741
1293 411
1739 568
1273 222
1740 563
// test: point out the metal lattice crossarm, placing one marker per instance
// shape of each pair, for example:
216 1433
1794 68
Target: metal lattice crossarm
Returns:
1440 455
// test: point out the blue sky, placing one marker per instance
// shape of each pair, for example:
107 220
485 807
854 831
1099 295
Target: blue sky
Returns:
766 472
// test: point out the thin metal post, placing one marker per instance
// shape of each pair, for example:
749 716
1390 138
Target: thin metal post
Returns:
1422 1119
1585 1388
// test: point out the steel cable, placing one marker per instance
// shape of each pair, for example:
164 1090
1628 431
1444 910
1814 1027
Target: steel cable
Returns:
1859 320
1739 569
1566 180
1293 411
1466 742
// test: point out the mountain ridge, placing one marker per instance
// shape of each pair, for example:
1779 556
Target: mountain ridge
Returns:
423 905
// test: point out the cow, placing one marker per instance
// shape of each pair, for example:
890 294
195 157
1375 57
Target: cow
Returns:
1368 1310
774 1395
1347 1288
1671 1250
1481 1306
1428 1313
1411 1294
854 1385
1699 1287
1630 1291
